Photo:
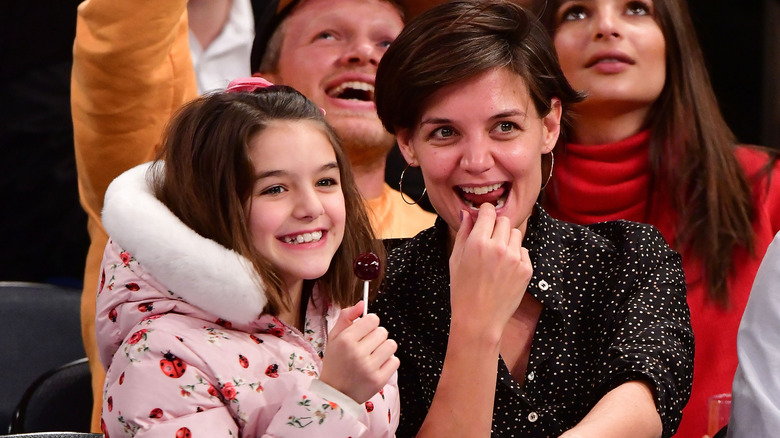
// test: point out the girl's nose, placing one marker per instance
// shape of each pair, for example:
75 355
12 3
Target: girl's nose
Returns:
308 205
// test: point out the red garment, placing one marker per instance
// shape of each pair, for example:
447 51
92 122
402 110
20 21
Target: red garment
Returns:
594 183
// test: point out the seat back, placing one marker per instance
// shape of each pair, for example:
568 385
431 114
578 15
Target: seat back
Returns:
60 399
41 330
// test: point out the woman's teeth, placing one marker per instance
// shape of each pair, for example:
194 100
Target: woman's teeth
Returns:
471 205
481 190
304 238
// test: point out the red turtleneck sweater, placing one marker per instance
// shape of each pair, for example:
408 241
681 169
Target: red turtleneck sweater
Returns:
594 183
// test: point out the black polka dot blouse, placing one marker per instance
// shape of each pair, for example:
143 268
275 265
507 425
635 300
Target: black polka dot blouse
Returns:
614 311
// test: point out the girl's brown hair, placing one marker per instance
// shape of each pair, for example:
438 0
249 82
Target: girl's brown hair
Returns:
208 179
692 152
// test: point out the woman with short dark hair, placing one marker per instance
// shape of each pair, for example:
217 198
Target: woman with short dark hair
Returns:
509 322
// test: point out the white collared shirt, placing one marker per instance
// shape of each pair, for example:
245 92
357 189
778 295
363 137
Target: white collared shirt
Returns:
227 57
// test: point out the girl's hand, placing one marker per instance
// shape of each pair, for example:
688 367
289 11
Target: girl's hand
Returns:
489 272
359 357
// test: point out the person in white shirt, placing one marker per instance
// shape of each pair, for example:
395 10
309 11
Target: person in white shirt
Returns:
755 405
221 36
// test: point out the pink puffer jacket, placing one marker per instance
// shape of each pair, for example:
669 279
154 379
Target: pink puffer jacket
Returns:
189 353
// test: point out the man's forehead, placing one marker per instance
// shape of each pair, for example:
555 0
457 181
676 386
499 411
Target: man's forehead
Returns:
318 7
313 16
410 8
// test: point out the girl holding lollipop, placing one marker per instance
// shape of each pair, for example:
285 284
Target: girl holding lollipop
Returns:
227 297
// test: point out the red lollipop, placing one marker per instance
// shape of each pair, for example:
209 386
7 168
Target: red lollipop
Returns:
366 268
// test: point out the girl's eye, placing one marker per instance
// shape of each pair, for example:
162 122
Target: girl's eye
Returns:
637 8
573 13
273 190
327 182
385 44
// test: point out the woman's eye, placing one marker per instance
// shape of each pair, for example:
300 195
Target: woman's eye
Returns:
327 182
273 190
443 132
573 13
637 8
506 126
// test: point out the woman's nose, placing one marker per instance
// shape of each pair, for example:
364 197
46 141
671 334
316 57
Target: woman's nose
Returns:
477 156
607 24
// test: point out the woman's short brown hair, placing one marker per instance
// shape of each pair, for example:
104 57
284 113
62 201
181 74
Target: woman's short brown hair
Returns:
460 39
209 176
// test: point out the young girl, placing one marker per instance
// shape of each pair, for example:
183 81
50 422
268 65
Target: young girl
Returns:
649 144
229 271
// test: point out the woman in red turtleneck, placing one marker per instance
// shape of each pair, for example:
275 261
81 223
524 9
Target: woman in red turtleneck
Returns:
649 145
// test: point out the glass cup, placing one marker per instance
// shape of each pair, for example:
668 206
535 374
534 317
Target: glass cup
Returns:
718 411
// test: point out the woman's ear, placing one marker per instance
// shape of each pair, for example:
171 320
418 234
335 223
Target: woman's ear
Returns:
552 125
403 137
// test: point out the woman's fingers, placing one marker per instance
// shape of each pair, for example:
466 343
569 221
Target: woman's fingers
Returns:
486 221
466 224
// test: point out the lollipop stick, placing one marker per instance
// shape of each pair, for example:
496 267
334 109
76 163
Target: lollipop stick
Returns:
365 298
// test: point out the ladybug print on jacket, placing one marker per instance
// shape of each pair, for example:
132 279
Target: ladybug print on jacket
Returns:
256 339
272 371
145 307
103 428
224 323
156 413
137 337
183 433
172 366
133 287
110 403
112 315
369 406
102 281
243 361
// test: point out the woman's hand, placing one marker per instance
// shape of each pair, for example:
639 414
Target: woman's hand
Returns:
359 358
489 271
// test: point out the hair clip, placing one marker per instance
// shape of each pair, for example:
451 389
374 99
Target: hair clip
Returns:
248 85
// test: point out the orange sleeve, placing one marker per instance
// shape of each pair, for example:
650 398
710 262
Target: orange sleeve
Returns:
131 70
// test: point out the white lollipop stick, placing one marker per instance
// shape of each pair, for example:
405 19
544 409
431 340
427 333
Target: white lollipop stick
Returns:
365 297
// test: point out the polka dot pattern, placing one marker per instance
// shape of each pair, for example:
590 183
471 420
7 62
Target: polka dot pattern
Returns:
614 310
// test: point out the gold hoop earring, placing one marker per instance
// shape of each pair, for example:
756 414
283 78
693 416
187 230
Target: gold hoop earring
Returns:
552 165
401 189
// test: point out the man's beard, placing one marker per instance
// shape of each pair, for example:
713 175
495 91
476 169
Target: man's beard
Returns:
365 141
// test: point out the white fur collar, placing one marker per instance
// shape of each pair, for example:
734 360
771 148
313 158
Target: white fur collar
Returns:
201 271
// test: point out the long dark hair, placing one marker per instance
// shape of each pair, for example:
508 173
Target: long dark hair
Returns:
692 152
208 179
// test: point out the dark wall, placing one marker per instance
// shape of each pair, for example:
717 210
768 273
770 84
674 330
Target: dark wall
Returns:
731 34
43 233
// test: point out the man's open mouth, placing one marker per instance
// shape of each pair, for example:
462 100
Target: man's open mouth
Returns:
353 90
